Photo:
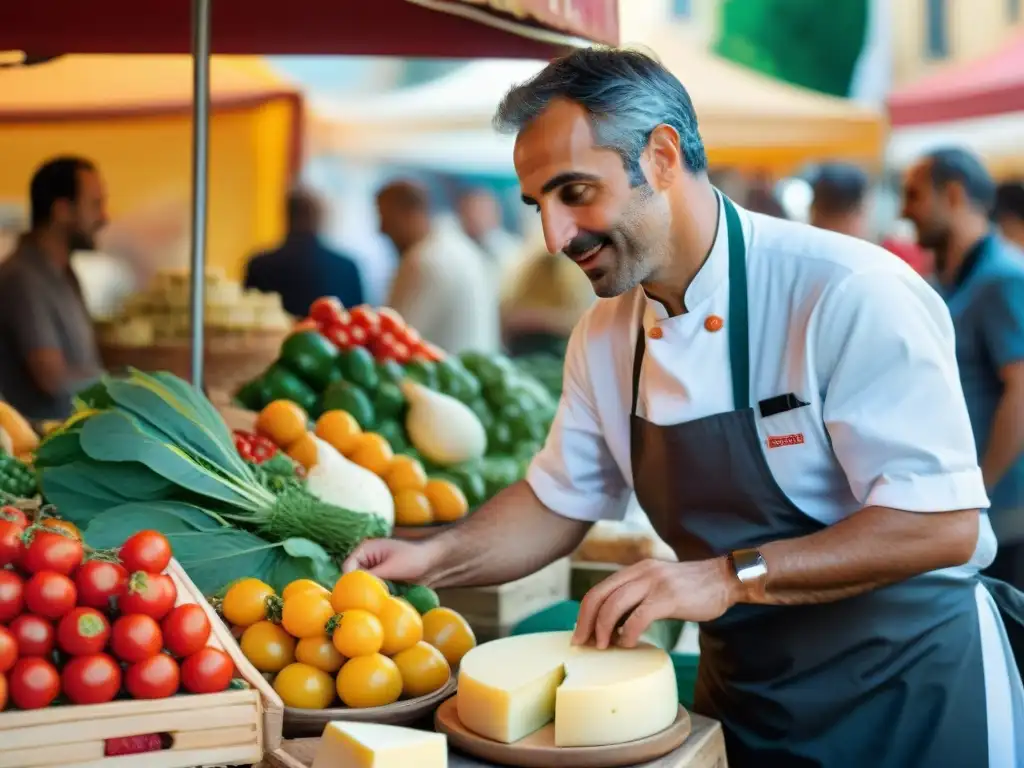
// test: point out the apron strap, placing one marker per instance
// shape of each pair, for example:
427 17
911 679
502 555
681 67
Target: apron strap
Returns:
739 332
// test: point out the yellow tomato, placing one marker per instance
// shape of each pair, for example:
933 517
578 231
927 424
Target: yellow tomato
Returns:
357 633
306 615
282 421
340 430
412 507
319 652
447 500
359 589
449 632
372 452
245 602
304 687
305 451
63 525
403 627
268 647
369 681
405 473
424 670
304 585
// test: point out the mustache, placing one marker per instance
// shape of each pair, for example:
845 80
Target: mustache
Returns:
585 241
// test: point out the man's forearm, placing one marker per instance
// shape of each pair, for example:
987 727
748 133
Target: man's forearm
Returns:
511 536
872 548
1006 442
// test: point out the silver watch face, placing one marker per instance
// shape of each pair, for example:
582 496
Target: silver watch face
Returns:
749 565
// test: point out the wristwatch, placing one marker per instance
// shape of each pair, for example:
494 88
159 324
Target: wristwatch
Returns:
750 567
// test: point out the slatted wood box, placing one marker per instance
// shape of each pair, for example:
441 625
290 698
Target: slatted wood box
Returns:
494 611
229 728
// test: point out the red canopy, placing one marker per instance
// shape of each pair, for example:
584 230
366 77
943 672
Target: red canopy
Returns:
993 85
417 28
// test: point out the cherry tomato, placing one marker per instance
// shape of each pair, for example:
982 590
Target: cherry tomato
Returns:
34 635
339 336
135 638
401 352
391 321
208 671
8 650
12 595
326 311
63 525
186 629
99 583
92 679
304 325
154 678
50 594
34 683
432 353
11 546
14 515
366 318
51 551
83 632
147 551
358 336
411 338
150 593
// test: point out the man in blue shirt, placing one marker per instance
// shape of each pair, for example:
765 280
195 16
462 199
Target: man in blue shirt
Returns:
303 268
949 196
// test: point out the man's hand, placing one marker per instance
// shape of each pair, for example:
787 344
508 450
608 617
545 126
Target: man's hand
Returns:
394 560
701 590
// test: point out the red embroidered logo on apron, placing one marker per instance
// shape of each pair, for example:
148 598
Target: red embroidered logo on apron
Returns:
781 441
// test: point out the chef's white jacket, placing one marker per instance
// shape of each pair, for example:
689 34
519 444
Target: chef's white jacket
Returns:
842 324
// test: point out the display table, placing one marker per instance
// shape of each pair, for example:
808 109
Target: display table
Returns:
705 748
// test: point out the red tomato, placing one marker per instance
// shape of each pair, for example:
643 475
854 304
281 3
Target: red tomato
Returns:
50 594
186 629
304 325
93 679
8 650
15 515
154 678
153 594
383 347
136 638
366 318
401 352
390 320
83 632
99 583
358 336
208 671
11 546
147 551
33 634
51 550
326 311
411 338
3 692
432 353
339 336
12 595
34 683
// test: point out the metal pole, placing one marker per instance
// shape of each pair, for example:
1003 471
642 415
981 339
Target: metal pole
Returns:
200 174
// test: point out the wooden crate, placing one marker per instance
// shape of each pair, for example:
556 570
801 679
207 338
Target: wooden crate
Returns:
229 728
494 611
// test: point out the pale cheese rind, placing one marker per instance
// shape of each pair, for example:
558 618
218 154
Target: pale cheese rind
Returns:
511 687
369 745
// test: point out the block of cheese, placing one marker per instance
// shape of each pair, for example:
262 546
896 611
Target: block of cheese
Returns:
369 745
511 687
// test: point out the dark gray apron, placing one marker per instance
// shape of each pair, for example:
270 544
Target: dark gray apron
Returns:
888 679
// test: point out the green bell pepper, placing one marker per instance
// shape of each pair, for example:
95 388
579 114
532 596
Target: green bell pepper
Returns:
282 384
312 358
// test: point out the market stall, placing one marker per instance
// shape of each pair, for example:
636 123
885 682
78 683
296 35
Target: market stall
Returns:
978 105
748 120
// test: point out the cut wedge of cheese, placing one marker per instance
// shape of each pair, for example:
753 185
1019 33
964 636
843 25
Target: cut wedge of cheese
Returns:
511 687
368 745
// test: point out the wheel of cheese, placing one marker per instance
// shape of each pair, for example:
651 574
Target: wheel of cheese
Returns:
511 687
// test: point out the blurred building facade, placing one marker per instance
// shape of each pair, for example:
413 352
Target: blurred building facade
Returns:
928 34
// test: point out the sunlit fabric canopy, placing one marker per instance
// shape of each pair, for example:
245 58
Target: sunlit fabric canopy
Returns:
132 116
978 105
747 119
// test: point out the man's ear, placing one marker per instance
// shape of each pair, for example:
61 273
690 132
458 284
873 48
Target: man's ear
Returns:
955 194
662 159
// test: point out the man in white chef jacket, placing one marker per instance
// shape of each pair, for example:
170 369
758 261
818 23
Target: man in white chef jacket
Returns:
785 403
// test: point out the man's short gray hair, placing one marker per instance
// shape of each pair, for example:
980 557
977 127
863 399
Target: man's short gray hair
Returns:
627 95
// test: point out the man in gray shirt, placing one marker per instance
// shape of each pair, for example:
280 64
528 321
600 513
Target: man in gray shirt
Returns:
47 346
